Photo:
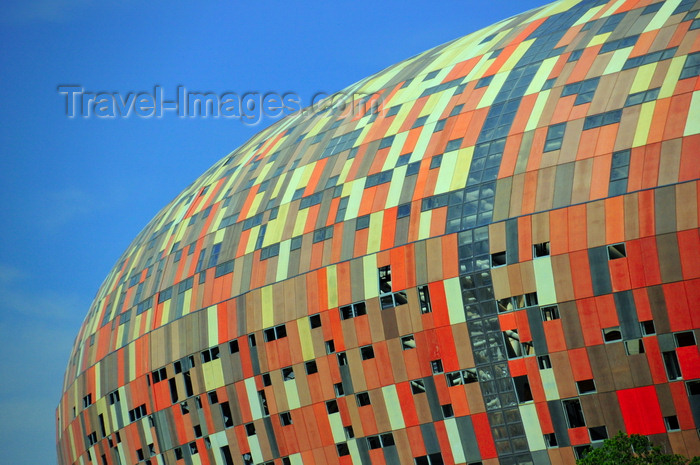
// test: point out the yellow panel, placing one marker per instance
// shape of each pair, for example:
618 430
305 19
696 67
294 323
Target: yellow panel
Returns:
283 260
537 111
292 392
253 400
374 239
307 347
332 286
461 168
455 307
446 171
424 226
533 430
393 407
660 18
268 307
544 279
672 76
395 150
394 195
492 90
618 60
549 383
541 75
371 286
455 440
692 124
643 124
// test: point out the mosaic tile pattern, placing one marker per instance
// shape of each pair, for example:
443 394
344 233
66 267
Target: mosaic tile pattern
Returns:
488 253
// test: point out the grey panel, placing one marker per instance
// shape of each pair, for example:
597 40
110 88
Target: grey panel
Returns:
562 185
534 318
468 439
269 430
556 411
430 438
627 314
512 241
346 380
433 401
666 342
600 273
363 449
391 455
540 457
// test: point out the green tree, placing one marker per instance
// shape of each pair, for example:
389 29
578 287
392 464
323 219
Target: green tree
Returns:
632 450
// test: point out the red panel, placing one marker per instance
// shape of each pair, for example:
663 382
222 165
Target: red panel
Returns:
640 411
579 436
482 431
690 168
656 363
677 307
680 401
580 365
689 245
590 325
580 274
689 359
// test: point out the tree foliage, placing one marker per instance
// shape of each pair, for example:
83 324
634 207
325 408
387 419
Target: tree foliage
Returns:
632 450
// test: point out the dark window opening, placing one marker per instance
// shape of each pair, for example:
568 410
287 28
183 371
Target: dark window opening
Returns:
648 327
616 251
436 366
586 386
363 399
673 369
315 321
612 334
342 449
550 312
287 373
634 347
250 429
598 433
550 439
541 249
311 367
417 386
385 280
544 362
233 346
285 418
447 411
367 352
672 423
498 259
574 413
685 339
424 299
408 342
330 346
522 388
332 407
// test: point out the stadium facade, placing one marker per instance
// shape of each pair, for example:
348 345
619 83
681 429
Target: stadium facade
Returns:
493 258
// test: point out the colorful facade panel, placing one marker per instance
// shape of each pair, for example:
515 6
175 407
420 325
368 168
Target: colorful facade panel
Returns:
487 253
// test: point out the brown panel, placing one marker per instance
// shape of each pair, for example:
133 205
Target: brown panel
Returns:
619 366
561 269
639 366
569 145
516 195
582 181
497 237
686 206
663 392
571 325
545 188
659 312
524 153
670 164
592 411
601 369
501 205
631 209
665 211
669 258
563 375
501 283
611 412
595 214
540 228
434 252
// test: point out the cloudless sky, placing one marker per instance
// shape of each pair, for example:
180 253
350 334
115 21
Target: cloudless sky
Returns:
75 192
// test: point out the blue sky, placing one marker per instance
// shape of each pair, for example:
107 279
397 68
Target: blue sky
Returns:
77 191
